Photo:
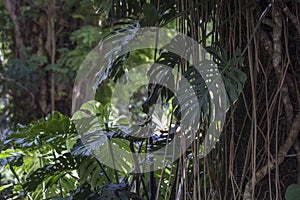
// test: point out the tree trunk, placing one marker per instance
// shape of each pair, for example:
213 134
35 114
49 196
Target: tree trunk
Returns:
11 8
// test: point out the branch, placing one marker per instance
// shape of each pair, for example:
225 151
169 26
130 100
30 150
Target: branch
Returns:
293 18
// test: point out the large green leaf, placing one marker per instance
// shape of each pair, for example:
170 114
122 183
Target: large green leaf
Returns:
151 15
95 130
51 131
111 66
233 78
52 172
292 192
160 73
194 84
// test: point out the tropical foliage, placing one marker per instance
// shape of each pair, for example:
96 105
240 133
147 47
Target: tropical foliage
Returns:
44 153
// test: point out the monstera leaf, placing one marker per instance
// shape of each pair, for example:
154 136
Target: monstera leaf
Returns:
111 64
97 130
161 76
94 173
39 157
51 173
233 78
193 86
52 131
204 81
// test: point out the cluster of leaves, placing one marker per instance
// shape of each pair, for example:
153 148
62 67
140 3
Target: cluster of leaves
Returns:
89 114
37 157
48 160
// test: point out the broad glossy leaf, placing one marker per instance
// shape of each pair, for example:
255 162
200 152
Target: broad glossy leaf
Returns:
117 50
52 131
91 171
150 13
51 172
292 192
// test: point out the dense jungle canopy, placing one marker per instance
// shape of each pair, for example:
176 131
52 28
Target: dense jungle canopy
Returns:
255 46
